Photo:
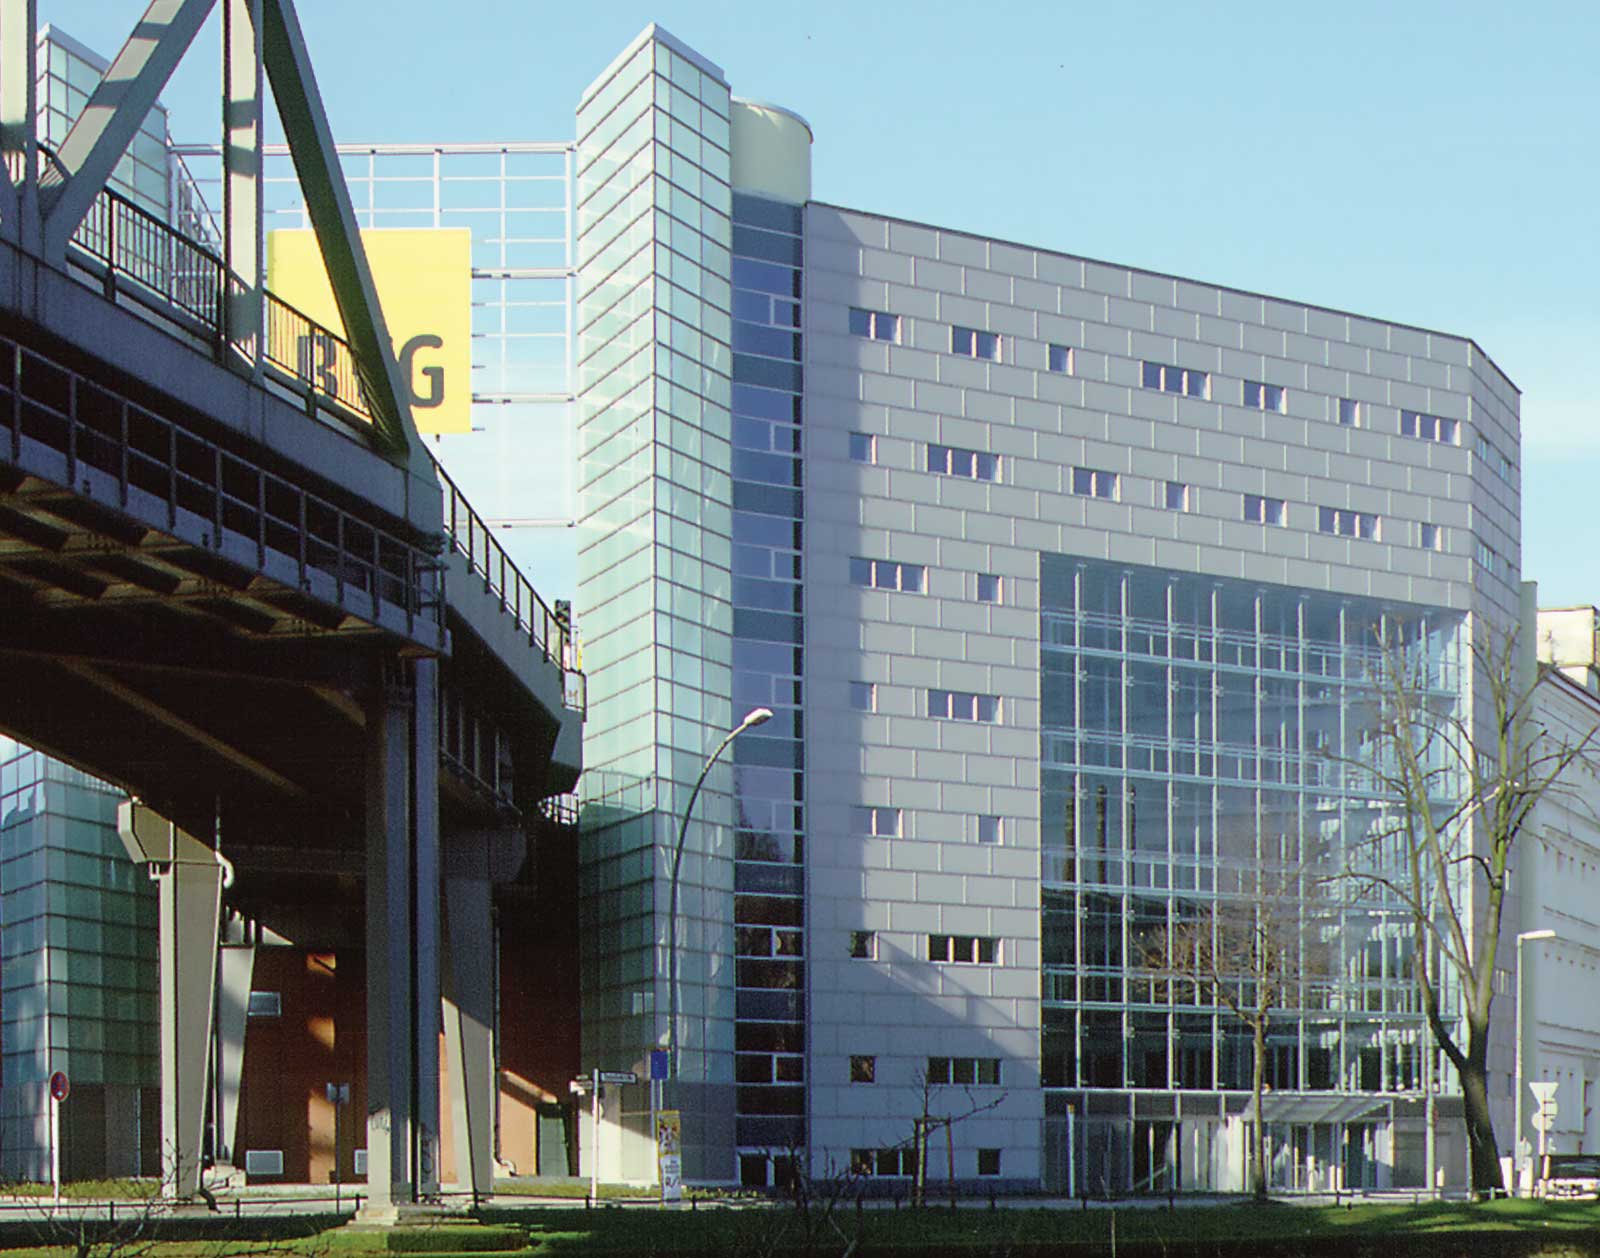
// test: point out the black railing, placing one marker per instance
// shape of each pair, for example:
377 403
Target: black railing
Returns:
133 246
472 538
319 361
155 464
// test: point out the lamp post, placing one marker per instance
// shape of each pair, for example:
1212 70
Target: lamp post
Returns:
757 716
1516 1140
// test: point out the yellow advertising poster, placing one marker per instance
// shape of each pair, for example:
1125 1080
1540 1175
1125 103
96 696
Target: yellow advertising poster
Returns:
669 1153
424 281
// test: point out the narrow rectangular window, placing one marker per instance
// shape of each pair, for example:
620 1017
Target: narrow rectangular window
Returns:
988 1161
973 343
963 705
1429 427
938 1070
876 325
1432 537
964 949
863 696
1349 412
1262 510
884 574
1060 359
864 945
879 823
989 828
970 464
1093 483
863 1069
1263 397
863 447
1177 496
1170 379
989 588
1347 523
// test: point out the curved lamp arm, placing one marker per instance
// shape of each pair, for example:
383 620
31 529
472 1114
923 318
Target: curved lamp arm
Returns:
757 716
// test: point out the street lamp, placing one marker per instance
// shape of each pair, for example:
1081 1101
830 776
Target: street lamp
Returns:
1516 1140
757 716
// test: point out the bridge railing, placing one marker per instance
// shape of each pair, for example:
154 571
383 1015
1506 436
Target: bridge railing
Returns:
471 537
131 244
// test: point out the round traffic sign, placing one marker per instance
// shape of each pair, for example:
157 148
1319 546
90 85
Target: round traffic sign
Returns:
59 1087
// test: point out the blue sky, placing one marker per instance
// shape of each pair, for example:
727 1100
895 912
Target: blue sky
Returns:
1424 162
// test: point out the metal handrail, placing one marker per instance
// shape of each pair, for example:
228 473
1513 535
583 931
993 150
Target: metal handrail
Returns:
130 243
471 537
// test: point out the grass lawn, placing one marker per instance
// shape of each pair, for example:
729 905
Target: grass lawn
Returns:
1392 1231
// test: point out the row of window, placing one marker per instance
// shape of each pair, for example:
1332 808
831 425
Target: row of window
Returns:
1092 482
902 1162
881 574
956 461
885 823
983 1072
963 705
945 949
880 325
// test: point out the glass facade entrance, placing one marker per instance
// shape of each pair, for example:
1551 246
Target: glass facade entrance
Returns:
1202 742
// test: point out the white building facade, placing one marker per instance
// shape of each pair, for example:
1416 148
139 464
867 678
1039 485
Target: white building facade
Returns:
1063 580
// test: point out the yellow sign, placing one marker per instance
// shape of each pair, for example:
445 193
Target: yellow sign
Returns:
424 281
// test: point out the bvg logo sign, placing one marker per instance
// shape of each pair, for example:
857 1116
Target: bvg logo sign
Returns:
424 280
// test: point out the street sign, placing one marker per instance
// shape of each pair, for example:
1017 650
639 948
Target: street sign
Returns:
658 1065
59 1086
618 1076
1543 1117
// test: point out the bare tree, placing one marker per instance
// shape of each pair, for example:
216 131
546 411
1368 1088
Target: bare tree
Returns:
1250 949
1463 777
927 1122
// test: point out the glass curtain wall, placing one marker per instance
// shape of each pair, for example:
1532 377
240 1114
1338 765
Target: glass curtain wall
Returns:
78 941
654 367
1201 742
768 665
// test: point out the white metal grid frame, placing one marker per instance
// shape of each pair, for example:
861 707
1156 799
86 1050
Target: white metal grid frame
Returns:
516 199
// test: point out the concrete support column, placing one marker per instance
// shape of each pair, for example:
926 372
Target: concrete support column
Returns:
390 1060
425 918
403 937
474 862
237 965
190 877
469 1030
191 900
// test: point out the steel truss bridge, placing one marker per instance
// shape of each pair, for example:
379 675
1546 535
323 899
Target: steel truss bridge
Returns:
234 582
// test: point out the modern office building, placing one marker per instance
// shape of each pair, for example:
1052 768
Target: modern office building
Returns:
1065 582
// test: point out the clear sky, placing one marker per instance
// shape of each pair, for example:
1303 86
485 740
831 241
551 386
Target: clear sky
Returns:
1430 163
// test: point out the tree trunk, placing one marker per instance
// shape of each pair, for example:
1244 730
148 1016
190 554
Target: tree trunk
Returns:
1486 1179
1258 1183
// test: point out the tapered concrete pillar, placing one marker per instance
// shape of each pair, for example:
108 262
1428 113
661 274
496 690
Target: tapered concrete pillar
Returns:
473 861
391 1064
237 964
190 878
